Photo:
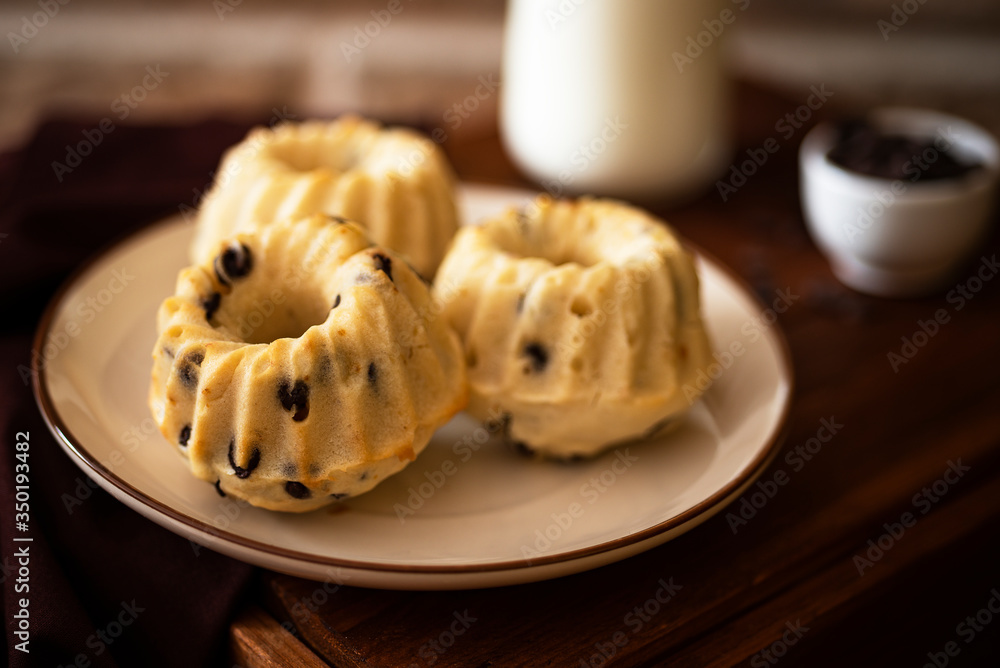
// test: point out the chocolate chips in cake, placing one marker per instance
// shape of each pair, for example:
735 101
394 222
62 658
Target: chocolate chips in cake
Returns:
243 472
295 398
383 263
297 490
233 263
537 355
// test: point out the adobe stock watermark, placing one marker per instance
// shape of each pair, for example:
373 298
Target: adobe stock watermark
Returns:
697 44
772 654
786 127
130 439
365 34
968 630
581 159
224 7
922 502
305 606
958 296
87 310
590 491
901 13
229 511
585 154
433 649
593 316
562 13
463 450
31 25
884 199
230 169
443 294
261 309
103 638
459 112
752 330
454 117
754 500
635 620
122 106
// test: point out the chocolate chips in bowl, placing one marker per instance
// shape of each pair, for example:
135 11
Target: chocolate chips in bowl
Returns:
899 201
863 148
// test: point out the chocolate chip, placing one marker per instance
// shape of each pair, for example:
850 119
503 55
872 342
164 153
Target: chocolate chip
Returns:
188 376
522 448
336 302
240 471
295 398
185 435
218 488
339 496
538 356
501 424
211 304
372 374
297 490
187 369
523 222
383 263
233 263
866 149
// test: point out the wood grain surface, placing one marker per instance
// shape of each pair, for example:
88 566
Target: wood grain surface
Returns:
881 542
258 641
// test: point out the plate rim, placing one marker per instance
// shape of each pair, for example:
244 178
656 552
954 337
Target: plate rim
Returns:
62 433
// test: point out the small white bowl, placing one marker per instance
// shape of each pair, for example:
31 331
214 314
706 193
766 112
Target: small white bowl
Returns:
899 238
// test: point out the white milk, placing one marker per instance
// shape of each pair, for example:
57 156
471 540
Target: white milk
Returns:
597 96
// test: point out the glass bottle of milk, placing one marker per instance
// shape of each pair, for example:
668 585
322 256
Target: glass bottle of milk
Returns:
623 98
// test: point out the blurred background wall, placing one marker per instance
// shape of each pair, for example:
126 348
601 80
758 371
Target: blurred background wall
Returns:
246 59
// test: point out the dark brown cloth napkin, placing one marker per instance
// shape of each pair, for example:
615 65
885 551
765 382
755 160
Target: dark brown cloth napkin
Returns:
105 586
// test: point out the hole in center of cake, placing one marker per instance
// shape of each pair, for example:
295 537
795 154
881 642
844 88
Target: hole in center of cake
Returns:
261 313
339 155
531 238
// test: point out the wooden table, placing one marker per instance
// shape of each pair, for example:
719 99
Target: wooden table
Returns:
879 545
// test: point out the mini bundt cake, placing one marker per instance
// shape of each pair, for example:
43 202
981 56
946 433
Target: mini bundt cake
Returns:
580 323
302 365
394 182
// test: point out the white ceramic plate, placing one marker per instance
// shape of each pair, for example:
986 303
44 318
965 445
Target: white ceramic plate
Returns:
473 517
